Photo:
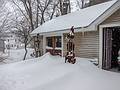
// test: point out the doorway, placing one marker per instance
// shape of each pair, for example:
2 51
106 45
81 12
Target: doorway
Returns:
111 46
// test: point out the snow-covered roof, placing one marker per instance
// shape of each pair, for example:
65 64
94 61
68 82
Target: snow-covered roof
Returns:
78 19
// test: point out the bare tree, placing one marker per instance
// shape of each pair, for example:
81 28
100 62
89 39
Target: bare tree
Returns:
4 21
26 9
4 18
47 9
94 2
33 13
28 22
65 6
80 3
22 30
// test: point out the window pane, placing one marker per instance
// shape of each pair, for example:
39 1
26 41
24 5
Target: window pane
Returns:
58 41
49 41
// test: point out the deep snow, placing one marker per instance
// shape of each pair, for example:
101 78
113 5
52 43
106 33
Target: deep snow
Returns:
51 73
15 55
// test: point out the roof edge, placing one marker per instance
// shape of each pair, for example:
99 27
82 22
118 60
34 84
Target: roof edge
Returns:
107 13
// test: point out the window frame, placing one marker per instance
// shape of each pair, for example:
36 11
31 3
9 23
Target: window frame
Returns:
54 42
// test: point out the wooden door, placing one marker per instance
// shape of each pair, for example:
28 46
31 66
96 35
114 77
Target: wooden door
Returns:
107 48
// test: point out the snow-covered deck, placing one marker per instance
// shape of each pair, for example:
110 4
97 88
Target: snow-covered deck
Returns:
51 73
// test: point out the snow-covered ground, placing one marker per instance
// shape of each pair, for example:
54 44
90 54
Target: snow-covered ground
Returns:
15 55
51 73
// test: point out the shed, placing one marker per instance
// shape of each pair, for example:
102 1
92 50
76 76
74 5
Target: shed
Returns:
95 32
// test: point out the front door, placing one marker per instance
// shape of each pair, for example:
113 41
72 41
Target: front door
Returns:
107 48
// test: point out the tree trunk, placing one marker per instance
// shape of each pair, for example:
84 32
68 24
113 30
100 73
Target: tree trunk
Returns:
37 14
25 52
82 6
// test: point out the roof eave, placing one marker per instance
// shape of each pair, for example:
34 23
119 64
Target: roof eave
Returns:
78 29
106 14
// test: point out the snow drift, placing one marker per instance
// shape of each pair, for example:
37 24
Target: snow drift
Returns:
51 73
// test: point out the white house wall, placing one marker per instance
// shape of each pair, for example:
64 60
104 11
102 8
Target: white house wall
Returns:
86 44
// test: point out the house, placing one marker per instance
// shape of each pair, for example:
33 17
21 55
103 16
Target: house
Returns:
11 41
97 33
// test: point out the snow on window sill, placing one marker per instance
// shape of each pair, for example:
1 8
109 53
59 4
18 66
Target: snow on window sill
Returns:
59 48
47 47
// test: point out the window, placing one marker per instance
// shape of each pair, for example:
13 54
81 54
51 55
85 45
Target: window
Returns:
53 41
49 41
12 45
58 41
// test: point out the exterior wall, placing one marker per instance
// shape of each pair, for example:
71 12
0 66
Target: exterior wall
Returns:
112 21
113 18
86 44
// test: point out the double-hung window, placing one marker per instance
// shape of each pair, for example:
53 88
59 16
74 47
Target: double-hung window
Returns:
49 41
58 41
53 42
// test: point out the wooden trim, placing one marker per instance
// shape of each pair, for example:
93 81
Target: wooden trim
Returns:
53 42
62 43
110 25
100 47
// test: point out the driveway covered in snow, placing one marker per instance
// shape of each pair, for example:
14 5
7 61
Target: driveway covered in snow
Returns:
51 73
